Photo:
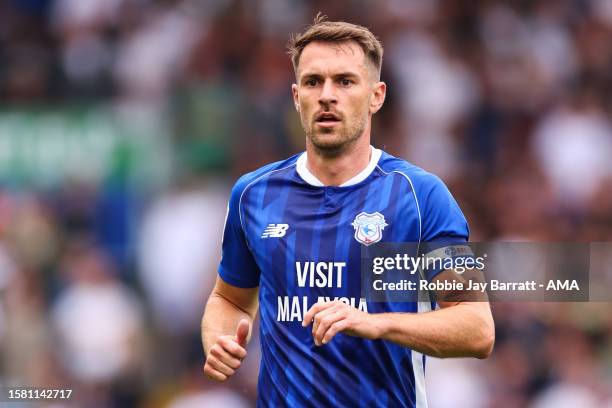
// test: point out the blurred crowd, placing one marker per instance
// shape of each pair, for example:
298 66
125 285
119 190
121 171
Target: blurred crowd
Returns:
105 269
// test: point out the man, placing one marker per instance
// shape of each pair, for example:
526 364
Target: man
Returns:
292 243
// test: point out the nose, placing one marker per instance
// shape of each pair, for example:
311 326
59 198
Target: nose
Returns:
328 93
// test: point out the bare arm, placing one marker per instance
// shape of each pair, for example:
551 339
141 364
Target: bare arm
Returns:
462 327
457 329
226 324
465 329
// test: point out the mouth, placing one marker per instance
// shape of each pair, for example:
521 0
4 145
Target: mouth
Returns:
327 119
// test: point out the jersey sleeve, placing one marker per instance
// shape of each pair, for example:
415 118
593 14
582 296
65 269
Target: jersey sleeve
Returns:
445 231
237 267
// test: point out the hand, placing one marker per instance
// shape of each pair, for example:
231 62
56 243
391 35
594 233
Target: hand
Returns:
331 318
226 355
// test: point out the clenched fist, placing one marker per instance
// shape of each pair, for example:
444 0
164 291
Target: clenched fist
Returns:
226 355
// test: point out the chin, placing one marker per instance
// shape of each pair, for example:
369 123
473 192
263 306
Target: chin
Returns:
327 140
331 146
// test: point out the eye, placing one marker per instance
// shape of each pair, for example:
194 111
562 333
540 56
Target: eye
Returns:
345 82
311 82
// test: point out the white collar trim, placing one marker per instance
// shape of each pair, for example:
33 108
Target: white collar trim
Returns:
311 179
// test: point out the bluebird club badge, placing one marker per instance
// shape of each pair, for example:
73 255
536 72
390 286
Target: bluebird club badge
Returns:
369 227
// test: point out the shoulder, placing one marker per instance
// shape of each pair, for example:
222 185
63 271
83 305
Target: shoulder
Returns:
421 181
250 179
441 215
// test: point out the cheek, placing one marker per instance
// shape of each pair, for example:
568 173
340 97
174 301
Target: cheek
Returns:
305 110
304 101
360 103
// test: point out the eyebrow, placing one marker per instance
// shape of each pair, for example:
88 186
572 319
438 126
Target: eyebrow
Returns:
345 74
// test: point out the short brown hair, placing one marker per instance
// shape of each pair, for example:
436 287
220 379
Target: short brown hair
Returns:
336 31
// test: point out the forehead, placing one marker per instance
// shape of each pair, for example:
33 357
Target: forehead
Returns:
327 58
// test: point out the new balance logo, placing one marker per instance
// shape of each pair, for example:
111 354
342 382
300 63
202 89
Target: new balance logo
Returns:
275 231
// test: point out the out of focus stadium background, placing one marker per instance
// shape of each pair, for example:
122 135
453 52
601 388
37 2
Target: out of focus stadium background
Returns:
124 123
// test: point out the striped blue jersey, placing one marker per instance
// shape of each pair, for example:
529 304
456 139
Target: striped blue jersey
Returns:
300 242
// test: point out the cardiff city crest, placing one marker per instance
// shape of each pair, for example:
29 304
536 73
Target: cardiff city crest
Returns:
369 227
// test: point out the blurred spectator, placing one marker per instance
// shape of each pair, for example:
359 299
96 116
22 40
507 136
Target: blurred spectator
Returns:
33 232
179 252
461 381
574 145
99 321
436 91
27 342
150 57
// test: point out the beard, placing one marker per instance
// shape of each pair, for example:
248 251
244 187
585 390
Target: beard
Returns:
332 142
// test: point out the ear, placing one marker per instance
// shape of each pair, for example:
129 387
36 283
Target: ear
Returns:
378 97
296 99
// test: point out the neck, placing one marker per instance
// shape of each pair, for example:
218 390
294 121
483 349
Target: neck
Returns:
336 170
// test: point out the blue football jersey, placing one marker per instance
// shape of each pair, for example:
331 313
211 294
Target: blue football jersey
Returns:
300 242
